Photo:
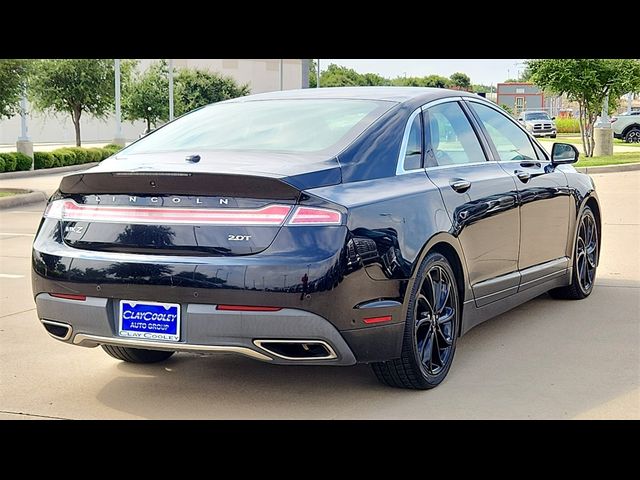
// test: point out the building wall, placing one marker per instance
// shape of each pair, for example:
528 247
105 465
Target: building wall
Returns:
262 75
507 94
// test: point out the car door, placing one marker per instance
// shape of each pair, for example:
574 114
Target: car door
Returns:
544 197
480 198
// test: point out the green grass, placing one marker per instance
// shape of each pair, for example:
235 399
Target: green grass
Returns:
6 194
617 159
572 138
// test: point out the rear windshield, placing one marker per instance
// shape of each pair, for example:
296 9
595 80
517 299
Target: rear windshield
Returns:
269 125
536 116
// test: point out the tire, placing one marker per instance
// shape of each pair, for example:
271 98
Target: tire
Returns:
424 331
553 136
633 135
585 260
136 355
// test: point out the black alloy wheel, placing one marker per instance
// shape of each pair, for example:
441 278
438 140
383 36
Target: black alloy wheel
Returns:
431 329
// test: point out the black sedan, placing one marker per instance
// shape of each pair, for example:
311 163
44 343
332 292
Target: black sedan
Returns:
316 227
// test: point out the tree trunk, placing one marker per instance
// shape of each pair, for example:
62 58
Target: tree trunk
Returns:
148 125
583 133
75 117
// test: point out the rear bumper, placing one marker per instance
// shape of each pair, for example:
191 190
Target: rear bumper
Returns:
329 305
543 133
204 329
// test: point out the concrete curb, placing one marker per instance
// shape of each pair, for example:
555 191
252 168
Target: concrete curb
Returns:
47 171
29 196
627 167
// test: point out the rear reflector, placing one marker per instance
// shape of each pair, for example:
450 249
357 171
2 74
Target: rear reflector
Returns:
68 210
247 308
386 318
69 296
315 216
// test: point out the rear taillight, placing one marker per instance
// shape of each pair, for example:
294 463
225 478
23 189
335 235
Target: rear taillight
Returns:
271 215
315 216
68 210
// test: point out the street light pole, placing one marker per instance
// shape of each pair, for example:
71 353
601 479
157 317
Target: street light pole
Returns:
24 144
118 140
170 89
318 75
629 97
281 71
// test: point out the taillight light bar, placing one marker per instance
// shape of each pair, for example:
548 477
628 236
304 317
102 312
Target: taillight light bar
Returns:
270 215
68 210
246 308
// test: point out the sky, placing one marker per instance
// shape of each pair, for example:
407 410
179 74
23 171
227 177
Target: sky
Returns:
481 71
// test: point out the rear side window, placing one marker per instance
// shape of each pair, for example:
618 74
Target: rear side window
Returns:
451 138
413 155
510 141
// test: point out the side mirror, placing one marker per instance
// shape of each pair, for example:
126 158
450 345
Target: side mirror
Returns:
553 118
564 153
520 120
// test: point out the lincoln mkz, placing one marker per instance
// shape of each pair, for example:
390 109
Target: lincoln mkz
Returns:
316 227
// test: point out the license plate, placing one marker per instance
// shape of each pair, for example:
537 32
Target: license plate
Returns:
149 320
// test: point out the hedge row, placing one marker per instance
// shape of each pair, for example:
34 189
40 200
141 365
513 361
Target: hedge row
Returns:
567 125
14 161
62 157
66 156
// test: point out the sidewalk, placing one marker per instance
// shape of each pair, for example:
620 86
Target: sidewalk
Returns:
44 183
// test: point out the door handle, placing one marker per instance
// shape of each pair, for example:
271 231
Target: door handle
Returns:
529 164
460 186
523 176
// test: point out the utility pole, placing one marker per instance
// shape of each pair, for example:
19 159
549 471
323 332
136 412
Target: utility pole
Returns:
318 75
170 89
281 76
119 139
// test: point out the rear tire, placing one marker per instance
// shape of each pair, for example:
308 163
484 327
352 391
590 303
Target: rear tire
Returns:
431 329
585 260
553 136
136 355
633 135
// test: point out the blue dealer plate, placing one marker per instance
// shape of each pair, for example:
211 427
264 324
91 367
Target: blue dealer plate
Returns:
149 320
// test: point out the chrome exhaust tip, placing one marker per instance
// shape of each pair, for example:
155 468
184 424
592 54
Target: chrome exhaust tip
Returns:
297 350
58 330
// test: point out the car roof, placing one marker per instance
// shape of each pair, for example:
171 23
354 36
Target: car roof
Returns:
389 94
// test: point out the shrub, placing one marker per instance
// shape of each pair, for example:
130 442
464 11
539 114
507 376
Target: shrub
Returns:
81 155
567 125
43 160
106 153
10 161
65 157
94 154
23 161
113 146
1 165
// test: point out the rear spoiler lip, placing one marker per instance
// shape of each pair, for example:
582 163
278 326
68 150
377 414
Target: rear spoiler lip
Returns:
270 186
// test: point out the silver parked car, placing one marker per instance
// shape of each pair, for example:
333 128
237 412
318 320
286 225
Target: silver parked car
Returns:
539 124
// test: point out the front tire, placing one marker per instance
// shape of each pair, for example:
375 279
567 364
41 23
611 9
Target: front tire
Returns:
136 355
431 329
585 260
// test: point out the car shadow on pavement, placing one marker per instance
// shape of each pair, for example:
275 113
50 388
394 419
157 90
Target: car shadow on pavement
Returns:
537 361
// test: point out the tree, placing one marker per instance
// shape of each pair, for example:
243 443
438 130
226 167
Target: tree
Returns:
436 81
587 82
13 74
195 88
146 96
338 76
480 88
313 74
74 87
460 80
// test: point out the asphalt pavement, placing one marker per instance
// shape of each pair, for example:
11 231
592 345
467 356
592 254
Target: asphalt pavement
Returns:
545 359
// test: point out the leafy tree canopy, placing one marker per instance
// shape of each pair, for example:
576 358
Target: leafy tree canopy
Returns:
195 88
460 80
146 95
13 75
